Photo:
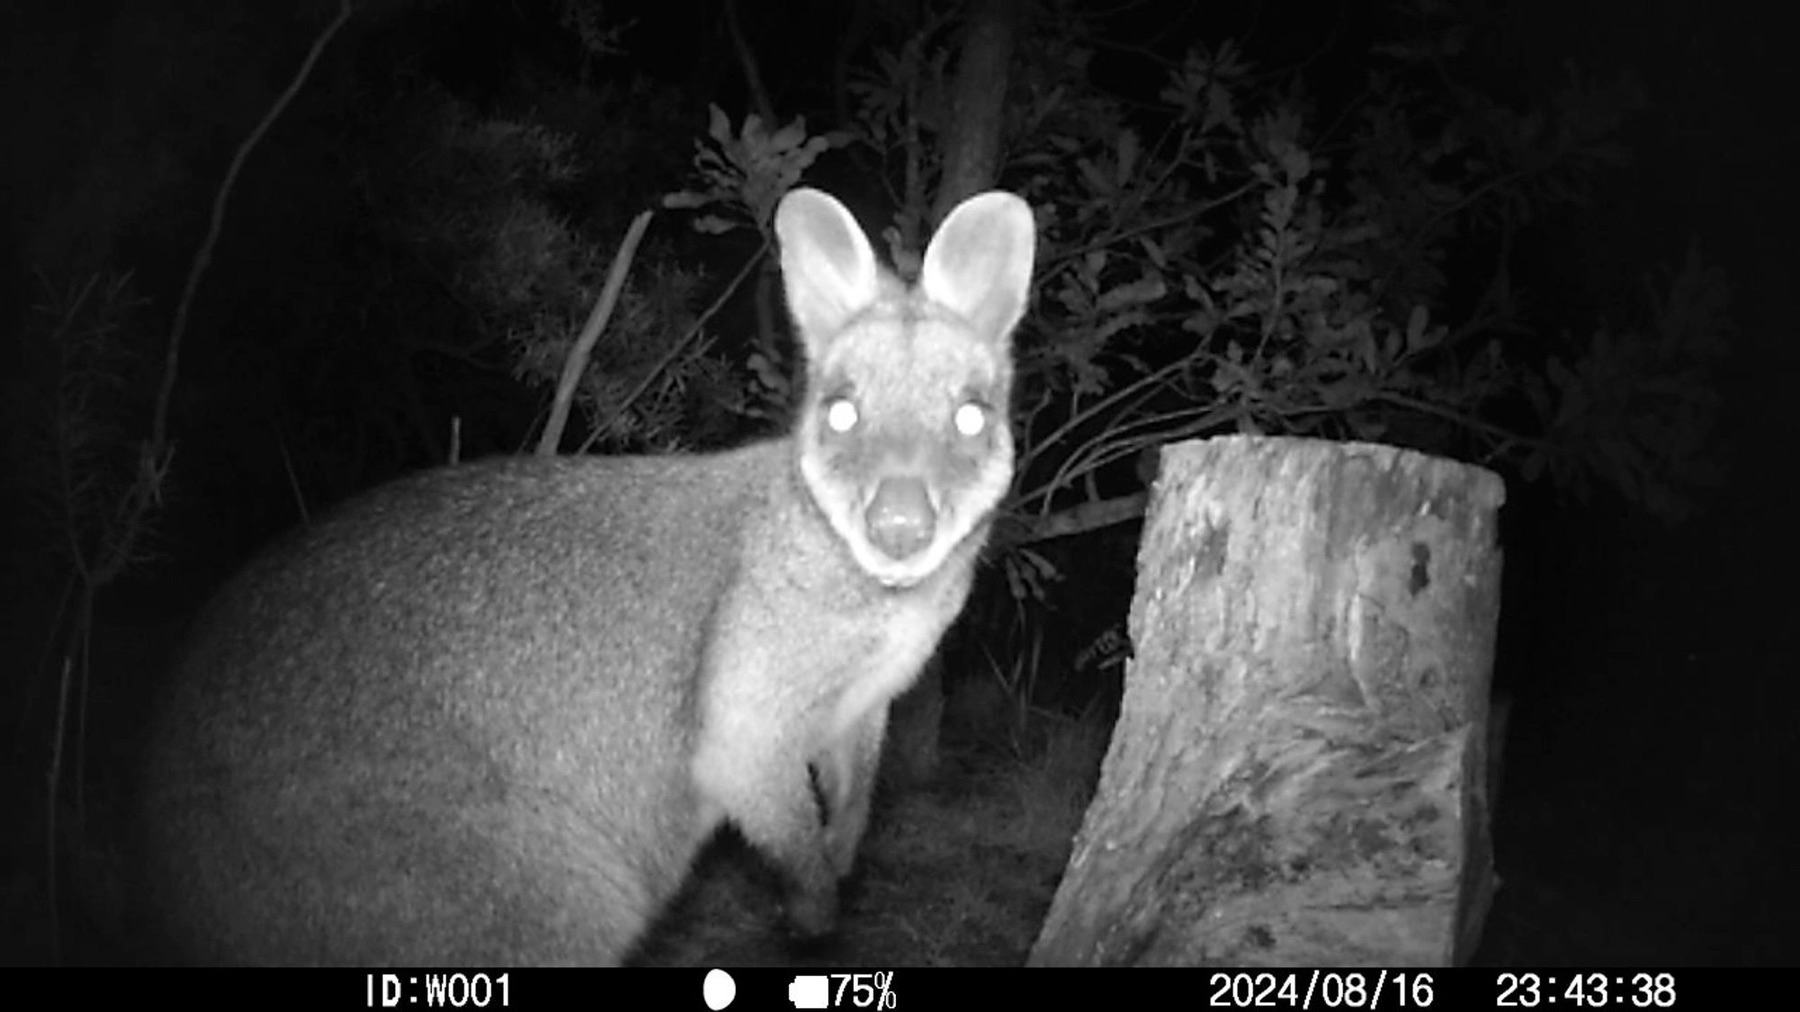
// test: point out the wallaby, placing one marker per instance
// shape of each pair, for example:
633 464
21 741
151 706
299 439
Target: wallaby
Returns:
489 714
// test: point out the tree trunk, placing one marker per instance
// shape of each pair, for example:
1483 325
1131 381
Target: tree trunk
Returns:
971 151
915 721
1299 773
971 139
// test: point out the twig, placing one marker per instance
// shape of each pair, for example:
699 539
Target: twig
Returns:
576 363
203 258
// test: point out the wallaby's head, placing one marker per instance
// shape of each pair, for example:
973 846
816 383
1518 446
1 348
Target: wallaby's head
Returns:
903 434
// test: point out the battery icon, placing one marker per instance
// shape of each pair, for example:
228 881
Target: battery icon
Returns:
810 991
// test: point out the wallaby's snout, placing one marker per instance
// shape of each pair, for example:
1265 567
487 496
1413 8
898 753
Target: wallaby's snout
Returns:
901 518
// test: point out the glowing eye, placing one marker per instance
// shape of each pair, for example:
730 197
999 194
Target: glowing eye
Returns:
840 417
970 419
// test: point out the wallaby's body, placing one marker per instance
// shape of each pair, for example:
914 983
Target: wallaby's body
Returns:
488 714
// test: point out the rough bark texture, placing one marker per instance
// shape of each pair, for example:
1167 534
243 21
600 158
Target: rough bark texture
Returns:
971 151
1298 776
971 140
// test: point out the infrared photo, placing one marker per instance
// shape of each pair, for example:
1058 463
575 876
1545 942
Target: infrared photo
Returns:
873 484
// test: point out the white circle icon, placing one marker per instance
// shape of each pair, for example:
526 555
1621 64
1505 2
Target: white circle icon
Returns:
718 989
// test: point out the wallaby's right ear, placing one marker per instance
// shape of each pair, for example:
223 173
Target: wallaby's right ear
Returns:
826 263
978 265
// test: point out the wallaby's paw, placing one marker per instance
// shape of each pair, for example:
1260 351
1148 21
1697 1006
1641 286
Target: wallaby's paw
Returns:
812 913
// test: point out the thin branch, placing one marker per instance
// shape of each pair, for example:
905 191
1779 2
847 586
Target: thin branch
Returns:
753 82
203 258
679 346
577 361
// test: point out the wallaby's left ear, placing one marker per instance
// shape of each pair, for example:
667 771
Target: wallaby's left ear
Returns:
979 263
827 266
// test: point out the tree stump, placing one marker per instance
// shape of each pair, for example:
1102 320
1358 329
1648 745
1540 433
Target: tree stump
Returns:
1298 776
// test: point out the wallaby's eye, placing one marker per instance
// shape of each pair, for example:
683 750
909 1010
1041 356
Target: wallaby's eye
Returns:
970 419
840 415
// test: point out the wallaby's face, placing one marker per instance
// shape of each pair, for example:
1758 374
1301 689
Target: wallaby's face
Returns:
903 437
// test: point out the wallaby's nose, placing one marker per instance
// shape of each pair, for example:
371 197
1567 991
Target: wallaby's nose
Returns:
900 519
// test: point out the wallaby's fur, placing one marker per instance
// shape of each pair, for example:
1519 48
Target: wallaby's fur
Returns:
488 714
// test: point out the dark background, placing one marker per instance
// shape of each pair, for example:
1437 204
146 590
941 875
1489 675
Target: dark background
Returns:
1650 767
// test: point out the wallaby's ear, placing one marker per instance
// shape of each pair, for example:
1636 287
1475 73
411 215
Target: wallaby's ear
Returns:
826 263
979 263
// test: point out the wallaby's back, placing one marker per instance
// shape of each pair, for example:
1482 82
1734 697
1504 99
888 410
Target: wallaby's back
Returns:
402 741
487 715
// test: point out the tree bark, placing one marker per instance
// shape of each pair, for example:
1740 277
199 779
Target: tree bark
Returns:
1298 776
971 139
971 150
